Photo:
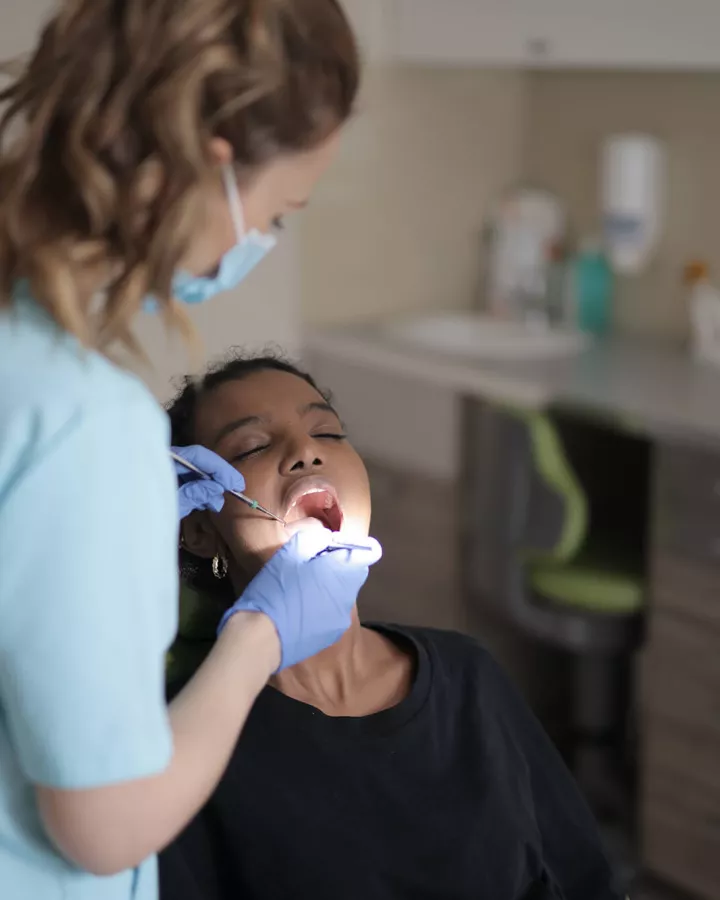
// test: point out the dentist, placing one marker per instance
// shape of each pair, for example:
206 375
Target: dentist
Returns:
147 153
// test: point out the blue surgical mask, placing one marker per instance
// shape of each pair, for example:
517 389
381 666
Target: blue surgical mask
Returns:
250 249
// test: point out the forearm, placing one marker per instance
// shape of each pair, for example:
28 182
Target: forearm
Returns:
106 830
208 715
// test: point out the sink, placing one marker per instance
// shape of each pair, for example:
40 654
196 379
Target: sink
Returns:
483 337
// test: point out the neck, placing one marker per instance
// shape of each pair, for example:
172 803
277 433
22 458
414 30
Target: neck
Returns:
363 673
329 677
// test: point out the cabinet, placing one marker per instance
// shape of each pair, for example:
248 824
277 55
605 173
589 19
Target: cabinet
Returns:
680 696
632 34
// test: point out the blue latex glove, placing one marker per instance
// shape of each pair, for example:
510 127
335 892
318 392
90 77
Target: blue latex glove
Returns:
309 591
196 492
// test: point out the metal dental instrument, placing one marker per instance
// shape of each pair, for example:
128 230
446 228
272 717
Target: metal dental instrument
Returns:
341 545
253 504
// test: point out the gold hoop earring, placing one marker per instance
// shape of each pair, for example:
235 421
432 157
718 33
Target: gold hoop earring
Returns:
219 566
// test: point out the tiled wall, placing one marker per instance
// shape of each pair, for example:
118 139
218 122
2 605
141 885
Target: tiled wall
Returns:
396 226
568 116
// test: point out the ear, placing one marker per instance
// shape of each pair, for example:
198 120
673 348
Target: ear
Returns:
220 151
199 535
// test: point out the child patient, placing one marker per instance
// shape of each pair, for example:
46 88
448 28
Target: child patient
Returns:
397 765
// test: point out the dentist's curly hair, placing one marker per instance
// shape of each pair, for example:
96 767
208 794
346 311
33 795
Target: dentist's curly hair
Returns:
105 132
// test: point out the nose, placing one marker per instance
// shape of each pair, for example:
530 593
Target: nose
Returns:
303 456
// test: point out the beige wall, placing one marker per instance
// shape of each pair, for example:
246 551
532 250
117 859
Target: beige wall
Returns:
570 113
397 224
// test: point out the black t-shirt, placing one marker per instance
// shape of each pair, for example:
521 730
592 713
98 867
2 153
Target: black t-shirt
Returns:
455 793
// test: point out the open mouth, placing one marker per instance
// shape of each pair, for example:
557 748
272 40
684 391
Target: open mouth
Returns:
316 502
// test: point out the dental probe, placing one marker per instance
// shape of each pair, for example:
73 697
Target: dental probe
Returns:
253 504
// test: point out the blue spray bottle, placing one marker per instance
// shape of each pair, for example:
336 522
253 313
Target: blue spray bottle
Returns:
593 289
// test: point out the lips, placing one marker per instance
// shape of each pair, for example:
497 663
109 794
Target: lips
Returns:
314 498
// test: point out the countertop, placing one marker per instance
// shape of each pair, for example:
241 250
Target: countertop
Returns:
645 387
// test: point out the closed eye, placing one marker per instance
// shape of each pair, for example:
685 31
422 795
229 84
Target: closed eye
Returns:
248 453
322 436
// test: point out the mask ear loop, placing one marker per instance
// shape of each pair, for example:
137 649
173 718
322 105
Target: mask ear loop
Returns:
234 201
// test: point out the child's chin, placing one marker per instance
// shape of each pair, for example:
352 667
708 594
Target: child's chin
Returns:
255 557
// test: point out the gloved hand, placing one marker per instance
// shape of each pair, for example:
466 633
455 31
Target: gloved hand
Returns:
309 592
196 492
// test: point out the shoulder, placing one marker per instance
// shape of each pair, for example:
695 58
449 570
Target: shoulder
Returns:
455 652
57 389
466 670
43 365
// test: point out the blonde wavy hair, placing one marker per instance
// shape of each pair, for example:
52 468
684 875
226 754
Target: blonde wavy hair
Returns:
104 139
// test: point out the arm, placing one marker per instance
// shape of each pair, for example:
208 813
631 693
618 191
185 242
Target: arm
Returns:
108 829
88 608
88 600
302 598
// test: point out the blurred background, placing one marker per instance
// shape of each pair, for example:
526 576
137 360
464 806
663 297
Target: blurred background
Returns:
510 282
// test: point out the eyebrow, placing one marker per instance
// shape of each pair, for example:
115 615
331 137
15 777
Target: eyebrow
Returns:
234 426
319 406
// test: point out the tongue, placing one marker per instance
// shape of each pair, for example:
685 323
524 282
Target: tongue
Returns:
317 506
316 502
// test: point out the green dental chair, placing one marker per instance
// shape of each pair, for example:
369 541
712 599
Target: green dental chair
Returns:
553 539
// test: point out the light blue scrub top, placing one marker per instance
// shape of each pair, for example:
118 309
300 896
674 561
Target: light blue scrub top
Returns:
88 594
